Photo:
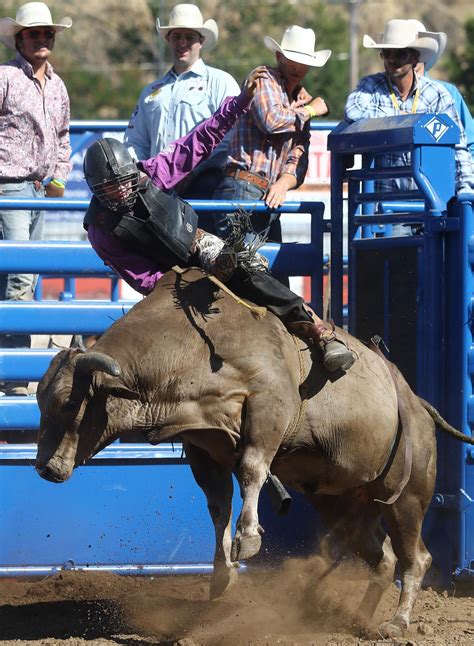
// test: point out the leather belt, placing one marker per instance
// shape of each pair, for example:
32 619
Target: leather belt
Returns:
247 176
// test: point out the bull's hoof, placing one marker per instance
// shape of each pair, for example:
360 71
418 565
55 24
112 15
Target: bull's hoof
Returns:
222 579
393 629
244 547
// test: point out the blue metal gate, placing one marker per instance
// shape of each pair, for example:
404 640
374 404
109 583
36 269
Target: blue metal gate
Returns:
416 291
122 513
134 508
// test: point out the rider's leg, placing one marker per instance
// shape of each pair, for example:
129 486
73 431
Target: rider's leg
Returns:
263 289
251 280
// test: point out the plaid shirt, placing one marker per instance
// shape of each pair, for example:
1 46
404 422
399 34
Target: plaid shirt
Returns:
272 138
371 99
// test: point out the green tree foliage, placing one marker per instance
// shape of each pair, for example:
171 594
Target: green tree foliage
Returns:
461 66
95 95
113 51
105 58
240 47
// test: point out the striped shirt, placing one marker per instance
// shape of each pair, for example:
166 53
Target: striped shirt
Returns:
34 124
371 99
273 138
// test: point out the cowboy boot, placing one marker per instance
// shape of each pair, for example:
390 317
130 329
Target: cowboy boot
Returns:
336 355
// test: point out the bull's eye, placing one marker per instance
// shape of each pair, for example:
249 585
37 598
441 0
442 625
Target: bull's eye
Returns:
70 405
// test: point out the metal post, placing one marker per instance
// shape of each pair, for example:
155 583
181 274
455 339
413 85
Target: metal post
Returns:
162 64
353 39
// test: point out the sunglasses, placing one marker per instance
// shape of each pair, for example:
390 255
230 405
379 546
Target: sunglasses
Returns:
401 55
34 34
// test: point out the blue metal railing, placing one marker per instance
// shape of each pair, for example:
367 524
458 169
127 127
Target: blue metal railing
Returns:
93 317
79 127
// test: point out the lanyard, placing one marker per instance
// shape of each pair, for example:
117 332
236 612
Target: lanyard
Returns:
394 99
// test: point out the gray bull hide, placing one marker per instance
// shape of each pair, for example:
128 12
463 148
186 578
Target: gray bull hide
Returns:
243 395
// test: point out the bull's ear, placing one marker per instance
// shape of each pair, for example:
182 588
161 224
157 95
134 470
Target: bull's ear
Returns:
113 386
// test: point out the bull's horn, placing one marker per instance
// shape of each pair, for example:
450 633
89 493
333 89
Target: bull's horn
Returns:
89 361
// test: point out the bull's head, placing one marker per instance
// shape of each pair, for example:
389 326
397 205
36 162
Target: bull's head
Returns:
81 402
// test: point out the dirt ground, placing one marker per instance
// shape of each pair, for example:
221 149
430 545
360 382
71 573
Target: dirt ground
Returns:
292 606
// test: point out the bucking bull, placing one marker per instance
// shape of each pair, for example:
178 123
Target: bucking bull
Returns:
245 396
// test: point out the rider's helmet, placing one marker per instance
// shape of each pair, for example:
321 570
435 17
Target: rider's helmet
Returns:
111 174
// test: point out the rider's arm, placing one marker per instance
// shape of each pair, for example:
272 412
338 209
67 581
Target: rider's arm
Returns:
180 157
139 272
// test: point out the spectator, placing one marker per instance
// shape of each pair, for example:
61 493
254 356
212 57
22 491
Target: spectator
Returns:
459 102
34 141
186 95
143 229
400 90
268 152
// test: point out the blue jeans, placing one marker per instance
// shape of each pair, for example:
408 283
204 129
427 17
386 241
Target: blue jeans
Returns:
238 190
19 225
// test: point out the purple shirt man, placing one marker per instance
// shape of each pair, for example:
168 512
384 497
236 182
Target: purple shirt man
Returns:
140 234
165 171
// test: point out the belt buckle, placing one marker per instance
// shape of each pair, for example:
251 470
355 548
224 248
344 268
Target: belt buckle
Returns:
257 180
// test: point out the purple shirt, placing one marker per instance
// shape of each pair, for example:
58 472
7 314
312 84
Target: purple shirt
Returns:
165 170
34 124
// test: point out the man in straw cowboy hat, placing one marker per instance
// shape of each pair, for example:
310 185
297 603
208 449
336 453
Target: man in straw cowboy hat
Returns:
34 140
268 152
459 102
400 90
184 97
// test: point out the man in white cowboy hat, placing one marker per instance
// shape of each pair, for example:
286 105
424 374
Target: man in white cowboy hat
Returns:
459 102
34 139
186 95
268 152
400 90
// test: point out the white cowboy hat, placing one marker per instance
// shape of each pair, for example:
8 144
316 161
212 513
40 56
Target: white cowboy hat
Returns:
404 34
188 16
443 40
31 14
297 45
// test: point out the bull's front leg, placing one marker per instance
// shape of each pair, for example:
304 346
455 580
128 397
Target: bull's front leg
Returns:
262 437
216 482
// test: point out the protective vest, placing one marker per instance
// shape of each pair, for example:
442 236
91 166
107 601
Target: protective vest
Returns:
160 226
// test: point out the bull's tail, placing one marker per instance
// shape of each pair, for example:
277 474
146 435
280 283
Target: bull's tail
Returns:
443 424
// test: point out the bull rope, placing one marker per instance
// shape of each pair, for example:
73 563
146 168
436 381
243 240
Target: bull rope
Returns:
294 426
403 430
257 311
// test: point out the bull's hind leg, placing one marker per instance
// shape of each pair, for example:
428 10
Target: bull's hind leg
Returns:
216 482
404 520
355 524
262 439
382 563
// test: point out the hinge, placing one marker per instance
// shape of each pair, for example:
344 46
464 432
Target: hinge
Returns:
460 501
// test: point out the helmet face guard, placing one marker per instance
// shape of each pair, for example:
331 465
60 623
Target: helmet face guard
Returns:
111 174
117 194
